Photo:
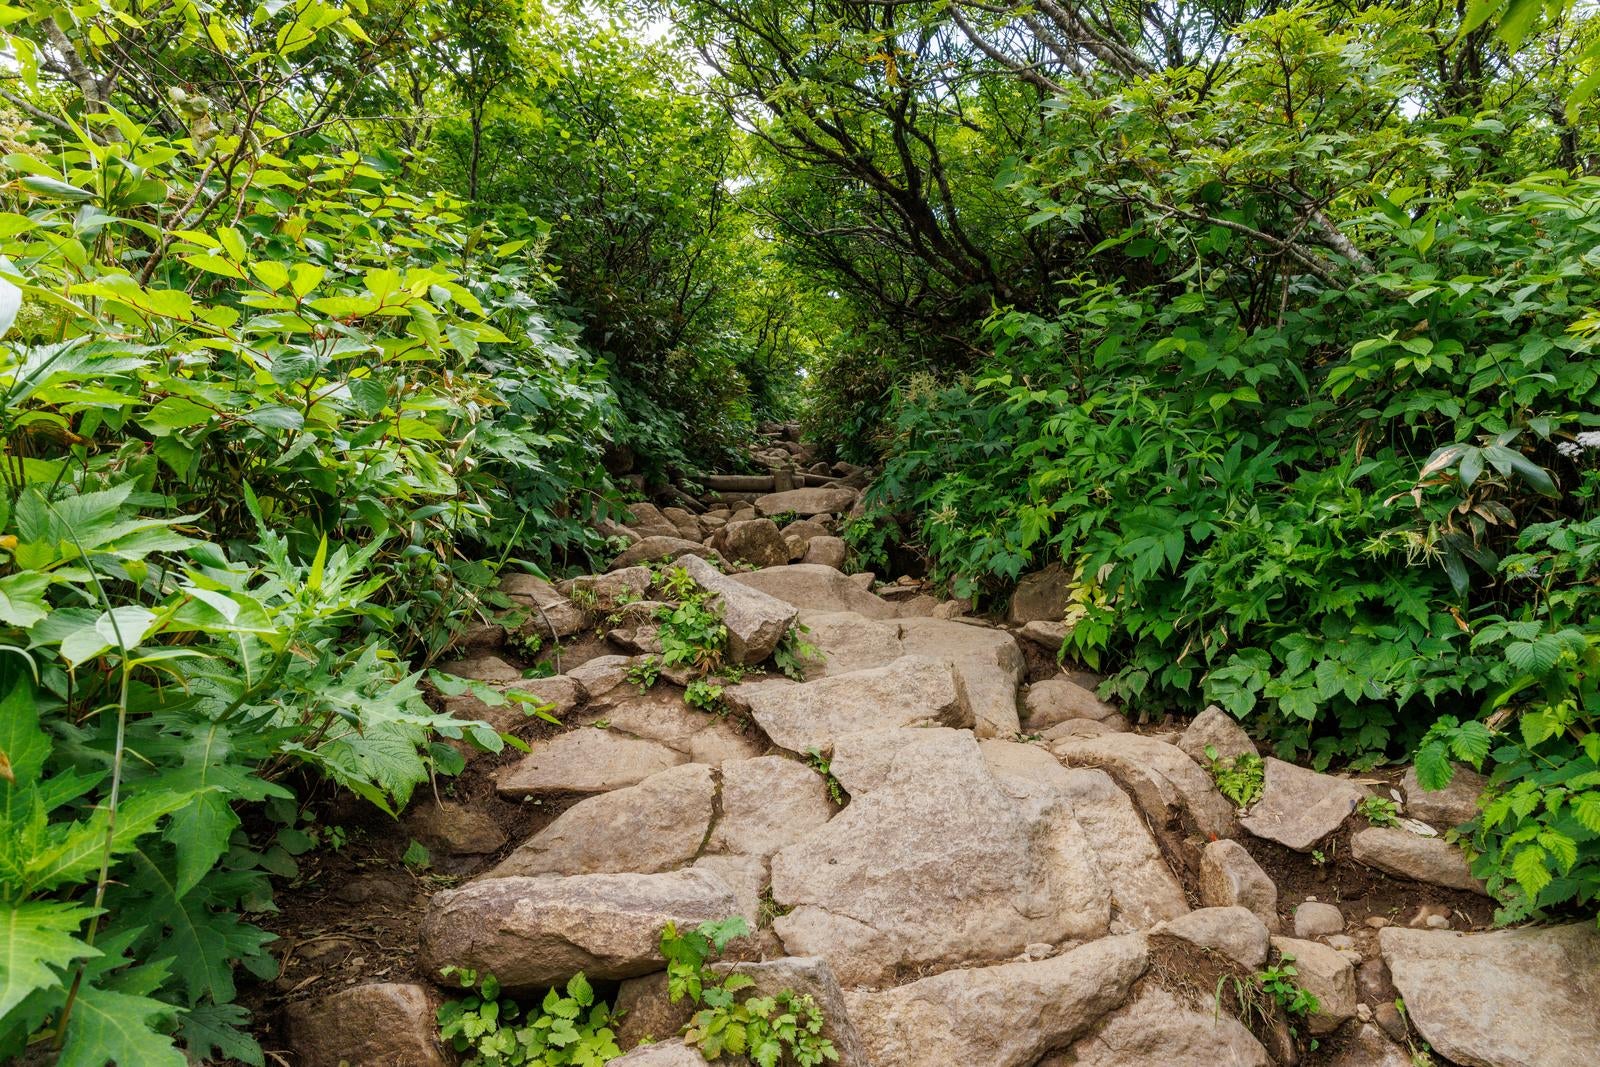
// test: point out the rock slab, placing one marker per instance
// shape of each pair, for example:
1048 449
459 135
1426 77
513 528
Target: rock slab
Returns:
536 932
385 1024
1299 807
1510 998
1004 1016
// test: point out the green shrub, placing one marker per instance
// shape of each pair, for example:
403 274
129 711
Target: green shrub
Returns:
784 1028
571 1029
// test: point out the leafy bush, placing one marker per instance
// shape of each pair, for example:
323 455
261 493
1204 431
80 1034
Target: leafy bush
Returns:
572 1029
783 1028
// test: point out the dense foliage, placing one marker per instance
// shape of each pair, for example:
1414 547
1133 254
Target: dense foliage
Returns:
279 397
1273 326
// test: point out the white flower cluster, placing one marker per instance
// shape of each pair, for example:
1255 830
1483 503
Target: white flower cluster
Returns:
1587 441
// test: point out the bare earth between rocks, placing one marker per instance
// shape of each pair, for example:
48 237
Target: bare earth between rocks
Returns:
1016 875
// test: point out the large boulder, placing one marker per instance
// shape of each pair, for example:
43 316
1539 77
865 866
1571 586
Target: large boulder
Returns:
378 1023
536 932
1041 596
657 825
813 587
1159 1030
1444 808
652 549
768 803
1167 784
818 500
1004 1016
756 622
1408 855
1299 807
585 761
754 541
549 614
989 666
1229 877
1327 975
848 642
1143 889
937 864
1510 998
910 691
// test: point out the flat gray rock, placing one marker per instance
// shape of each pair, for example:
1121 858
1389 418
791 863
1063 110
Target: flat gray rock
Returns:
813 587
938 864
812 715
1299 807
1159 1030
1408 855
768 803
656 825
536 932
1004 1016
849 642
819 500
1510 998
585 760
1235 932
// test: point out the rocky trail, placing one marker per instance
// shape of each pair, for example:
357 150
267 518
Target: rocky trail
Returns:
947 840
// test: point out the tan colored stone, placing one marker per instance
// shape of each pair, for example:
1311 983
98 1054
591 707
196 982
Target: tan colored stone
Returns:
1229 877
1446 808
537 932
1167 784
812 715
1004 1016
1159 1030
938 864
653 549
1236 932
1054 701
813 587
768 803
585 761
1327 975
382 1024
656 825
1408 855
821 500
1509 998
753 541
1214 728
1299 807
756 622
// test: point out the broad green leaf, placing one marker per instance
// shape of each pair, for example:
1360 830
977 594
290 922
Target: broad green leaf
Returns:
111 1027
38 942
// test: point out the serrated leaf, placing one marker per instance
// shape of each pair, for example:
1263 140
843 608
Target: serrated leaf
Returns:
38 942
216 1032
111 1027
1528 868
1434 771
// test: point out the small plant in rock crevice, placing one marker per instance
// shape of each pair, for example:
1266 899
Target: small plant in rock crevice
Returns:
784 1028
572 1029
1239 778
1297 1002
1379 811
706 695
823 766
794 653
